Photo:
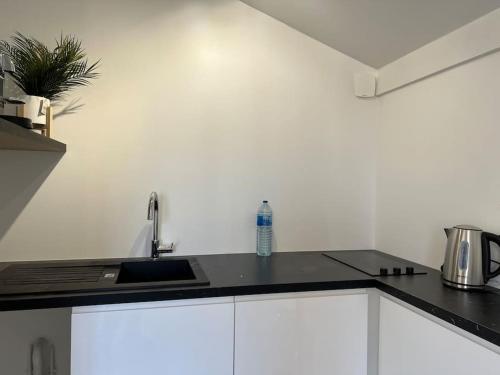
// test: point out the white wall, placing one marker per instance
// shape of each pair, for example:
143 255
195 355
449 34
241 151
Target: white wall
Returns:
214 105
438 160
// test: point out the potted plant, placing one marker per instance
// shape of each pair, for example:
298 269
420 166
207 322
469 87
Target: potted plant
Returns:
46 75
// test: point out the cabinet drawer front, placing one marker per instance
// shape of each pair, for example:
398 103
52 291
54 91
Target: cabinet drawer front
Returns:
316 335
411 344
194 340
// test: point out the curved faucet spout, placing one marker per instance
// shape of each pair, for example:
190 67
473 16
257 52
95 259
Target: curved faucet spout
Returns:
153 213
156 248
153 201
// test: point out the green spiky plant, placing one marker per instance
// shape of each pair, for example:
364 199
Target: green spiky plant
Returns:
41 71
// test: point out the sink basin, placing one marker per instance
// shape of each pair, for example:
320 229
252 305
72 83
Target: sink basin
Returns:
155 271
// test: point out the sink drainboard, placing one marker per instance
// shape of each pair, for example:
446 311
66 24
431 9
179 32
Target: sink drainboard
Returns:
53 275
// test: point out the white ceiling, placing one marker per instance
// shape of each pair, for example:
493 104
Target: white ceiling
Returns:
375 32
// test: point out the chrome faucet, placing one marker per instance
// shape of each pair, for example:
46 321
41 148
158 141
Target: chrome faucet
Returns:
156 247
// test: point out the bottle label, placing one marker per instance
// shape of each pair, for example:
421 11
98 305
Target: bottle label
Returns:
264 220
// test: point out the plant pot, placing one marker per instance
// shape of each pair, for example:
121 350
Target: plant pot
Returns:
35 108
31 107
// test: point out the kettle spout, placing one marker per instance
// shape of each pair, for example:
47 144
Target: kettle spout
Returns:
447 231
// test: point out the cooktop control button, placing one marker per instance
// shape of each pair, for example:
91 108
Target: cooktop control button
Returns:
410 270
396 271
383 271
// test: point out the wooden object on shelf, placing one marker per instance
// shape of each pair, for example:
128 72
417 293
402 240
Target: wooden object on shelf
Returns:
14 137
45 129
48 122
20 110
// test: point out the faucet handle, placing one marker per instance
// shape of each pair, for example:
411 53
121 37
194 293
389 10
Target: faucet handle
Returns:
164 249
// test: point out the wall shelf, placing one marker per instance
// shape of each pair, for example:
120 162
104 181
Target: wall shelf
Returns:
15 137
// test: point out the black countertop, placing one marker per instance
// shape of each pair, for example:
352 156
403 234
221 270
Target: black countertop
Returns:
229 275
244 274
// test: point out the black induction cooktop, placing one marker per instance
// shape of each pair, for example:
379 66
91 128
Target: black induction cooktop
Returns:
375 263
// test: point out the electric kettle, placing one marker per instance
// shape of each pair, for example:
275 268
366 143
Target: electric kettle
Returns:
467 262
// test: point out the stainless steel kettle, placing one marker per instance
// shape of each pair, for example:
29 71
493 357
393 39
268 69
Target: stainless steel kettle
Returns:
467 262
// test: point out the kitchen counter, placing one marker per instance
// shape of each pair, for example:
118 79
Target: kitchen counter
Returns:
245 274
229 275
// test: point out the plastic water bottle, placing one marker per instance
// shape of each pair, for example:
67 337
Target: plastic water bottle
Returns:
264 229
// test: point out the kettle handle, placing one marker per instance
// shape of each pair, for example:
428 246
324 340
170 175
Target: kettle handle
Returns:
487 238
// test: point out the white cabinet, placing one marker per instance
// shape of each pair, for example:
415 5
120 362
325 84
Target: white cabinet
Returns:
315 333
412 344
301 334
169 338
20 329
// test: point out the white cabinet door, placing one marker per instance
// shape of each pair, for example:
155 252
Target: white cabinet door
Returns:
169 338
20 329
412 344
301 334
